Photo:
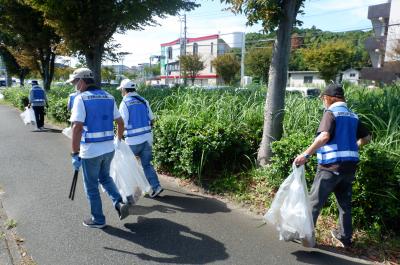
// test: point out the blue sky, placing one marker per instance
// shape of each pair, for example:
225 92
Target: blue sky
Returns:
210 18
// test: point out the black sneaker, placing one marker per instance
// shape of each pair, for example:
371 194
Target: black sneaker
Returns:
122 209
130 200
92 224
156 192
337 237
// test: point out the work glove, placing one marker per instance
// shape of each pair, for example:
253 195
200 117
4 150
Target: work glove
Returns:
76 162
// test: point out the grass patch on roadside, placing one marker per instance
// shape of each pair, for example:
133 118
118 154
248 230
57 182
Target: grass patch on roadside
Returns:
10 224
256 194
2 235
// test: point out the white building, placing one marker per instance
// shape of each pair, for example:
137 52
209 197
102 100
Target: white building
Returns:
393 30
351 75
304 79
207 47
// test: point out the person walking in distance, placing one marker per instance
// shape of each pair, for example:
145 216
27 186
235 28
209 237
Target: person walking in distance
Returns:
138 119
38 100
339 136
93 113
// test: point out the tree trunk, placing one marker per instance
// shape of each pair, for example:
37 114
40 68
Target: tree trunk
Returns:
8 79
275 101
21 78
23 72
48 69
93 60
47 59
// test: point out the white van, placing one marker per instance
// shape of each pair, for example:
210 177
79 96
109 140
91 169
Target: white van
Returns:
308 92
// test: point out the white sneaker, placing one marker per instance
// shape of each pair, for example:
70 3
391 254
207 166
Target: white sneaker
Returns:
156 192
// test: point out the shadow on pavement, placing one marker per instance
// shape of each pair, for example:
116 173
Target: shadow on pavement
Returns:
191 203
315 257
143 210
183 245
48 130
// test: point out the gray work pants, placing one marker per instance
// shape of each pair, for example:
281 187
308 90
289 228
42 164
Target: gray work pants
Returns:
326 182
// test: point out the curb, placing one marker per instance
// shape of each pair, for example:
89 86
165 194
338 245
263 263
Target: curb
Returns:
9 251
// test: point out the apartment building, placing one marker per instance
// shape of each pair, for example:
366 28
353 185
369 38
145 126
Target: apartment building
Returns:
385 19
207 47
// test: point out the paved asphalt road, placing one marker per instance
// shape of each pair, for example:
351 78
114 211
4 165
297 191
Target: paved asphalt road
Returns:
178 228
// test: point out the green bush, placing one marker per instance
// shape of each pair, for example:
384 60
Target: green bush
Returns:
17 96
376 191
285 151
58 109
202 132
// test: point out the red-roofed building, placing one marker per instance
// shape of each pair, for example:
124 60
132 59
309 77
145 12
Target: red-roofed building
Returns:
207 47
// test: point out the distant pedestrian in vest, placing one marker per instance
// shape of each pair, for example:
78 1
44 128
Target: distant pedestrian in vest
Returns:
38 100
339 136
138 120
93 113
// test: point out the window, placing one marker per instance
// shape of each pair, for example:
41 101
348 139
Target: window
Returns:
352 75
169 52
308 79
195 49
212 48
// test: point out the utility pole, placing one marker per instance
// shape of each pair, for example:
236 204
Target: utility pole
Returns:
242 59
184 44
184 32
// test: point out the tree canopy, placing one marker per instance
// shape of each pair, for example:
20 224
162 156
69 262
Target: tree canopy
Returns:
257 61
191 65
227 67
33 43
329 58
87 26
268 12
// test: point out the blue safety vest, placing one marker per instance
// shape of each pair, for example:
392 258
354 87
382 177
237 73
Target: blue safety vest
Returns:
342 146
99 122
139 121
72 96
38 95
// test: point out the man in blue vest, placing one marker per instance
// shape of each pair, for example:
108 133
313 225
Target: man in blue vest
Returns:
138 119
93 115
38 100
339 136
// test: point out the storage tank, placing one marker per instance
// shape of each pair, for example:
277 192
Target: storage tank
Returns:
234 39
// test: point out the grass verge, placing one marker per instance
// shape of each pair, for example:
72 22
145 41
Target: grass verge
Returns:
255 194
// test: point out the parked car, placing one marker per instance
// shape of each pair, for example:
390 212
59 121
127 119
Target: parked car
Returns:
308 92
3 83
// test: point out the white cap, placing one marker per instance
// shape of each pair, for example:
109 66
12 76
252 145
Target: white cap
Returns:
126 83
80 73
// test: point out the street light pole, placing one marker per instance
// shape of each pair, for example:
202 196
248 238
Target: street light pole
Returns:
121 56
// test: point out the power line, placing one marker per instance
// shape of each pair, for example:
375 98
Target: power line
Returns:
334 12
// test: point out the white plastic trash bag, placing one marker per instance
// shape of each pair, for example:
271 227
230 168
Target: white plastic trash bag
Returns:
128 174
67 132
28 116
290 211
